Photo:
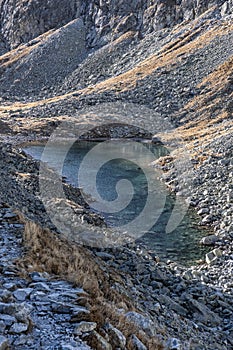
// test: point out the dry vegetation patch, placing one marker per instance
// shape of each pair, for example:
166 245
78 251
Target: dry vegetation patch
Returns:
15 55
47 251
170 54
209 115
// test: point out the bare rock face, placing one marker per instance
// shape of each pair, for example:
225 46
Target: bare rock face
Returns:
23 20
105 20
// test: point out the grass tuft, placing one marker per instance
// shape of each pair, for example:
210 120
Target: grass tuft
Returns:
47 251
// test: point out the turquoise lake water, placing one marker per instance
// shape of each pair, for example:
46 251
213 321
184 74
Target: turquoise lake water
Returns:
181 245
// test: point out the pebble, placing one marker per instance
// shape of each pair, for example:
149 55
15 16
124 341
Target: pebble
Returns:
22 294
173 344
136 344
18 328
117 337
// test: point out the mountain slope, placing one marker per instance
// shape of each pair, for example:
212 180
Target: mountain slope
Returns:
21 20
89 62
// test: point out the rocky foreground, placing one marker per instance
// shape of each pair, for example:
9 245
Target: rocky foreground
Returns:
184 307
79 62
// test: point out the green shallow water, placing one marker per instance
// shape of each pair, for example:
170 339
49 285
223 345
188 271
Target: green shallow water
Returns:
181 245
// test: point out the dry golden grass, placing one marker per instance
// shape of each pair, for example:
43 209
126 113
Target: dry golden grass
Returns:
46 251
203 131
209 115
218 84
169 55
220 75
123 37
15 55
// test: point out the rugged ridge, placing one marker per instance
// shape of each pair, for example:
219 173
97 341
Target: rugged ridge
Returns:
21 21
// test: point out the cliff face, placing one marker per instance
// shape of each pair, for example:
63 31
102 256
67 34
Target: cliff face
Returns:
23 20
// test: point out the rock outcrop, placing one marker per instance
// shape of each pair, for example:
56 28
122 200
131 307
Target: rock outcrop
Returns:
23 20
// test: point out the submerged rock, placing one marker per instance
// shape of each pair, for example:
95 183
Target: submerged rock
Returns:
209 240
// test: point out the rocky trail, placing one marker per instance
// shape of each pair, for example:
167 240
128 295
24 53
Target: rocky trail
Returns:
35 311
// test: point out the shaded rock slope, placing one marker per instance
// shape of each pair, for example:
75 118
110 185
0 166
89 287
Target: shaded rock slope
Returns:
100 23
